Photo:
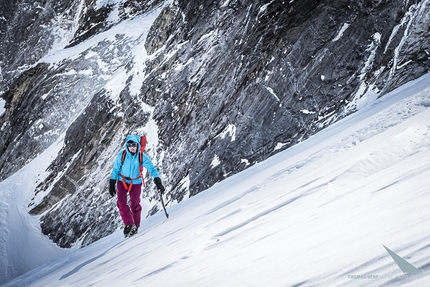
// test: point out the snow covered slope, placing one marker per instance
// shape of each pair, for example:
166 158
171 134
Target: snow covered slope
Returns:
317 214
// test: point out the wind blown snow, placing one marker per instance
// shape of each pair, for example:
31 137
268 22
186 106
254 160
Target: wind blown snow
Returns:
23 246
316 214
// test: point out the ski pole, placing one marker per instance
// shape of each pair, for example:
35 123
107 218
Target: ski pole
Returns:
162 203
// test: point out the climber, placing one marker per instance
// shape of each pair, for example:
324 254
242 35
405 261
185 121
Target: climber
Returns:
126 178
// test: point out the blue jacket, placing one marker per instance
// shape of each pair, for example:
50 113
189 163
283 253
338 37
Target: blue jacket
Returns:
130 167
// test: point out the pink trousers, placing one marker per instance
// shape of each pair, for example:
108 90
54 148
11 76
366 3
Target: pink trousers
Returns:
129 214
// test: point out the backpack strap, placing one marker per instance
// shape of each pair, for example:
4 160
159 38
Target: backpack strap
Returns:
124 153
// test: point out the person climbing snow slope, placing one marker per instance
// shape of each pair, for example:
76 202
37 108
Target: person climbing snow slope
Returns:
126 178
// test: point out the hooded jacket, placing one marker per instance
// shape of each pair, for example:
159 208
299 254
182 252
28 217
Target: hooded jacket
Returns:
130 167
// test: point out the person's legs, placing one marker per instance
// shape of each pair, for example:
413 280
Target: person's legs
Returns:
135 206
124 209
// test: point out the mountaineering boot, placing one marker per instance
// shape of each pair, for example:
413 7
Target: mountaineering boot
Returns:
133 231
128 229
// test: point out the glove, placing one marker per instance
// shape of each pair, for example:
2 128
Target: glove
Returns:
160 187
112 190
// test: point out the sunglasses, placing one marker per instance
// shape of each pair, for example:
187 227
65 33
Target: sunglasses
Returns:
132 144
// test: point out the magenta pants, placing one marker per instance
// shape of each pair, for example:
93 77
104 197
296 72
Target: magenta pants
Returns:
129 214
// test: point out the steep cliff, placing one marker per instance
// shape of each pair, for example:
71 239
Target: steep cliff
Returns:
218 86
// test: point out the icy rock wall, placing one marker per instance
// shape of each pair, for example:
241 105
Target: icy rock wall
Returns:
236 81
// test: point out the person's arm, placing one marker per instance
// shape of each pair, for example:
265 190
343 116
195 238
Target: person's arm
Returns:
147 163
114 176
116 168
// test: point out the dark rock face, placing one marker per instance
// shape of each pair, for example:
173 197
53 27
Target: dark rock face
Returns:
229 84
27 30
273 72
78 217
